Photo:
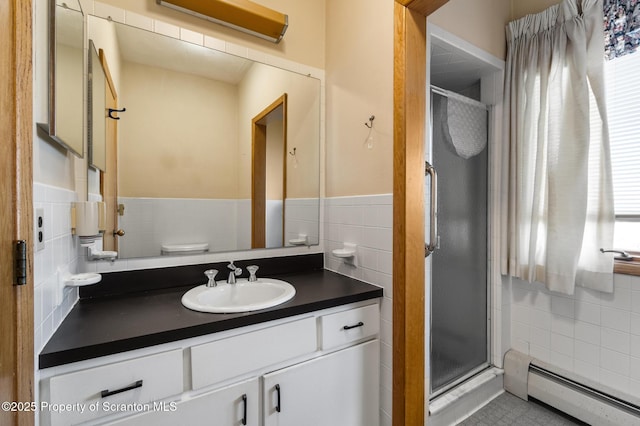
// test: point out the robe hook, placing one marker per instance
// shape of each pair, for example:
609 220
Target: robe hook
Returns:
370 123
112 110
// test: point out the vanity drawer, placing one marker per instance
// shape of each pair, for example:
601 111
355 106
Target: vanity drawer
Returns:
227 358
349 326
100 391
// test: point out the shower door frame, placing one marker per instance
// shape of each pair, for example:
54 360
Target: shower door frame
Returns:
491 89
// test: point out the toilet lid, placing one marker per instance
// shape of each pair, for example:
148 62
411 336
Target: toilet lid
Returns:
176 248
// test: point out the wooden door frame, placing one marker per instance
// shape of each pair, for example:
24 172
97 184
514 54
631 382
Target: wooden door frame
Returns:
110 240
258 163
409 117
16 220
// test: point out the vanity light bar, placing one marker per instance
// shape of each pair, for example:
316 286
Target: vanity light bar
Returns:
242 15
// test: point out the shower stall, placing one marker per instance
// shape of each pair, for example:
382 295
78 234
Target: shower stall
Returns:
458 222
459 321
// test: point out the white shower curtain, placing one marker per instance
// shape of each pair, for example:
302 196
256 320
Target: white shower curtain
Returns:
556 180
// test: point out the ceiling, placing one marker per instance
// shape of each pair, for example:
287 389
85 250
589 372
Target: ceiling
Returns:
453 68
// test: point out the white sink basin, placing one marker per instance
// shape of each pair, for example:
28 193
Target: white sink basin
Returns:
243 296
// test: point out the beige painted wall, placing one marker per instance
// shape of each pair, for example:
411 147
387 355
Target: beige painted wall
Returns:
520 8
480 22
179 136
261 86
359 83
275 159
303 41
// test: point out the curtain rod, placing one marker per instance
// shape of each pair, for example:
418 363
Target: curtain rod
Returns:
457 96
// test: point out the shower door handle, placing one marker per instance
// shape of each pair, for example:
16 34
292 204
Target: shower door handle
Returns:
432 244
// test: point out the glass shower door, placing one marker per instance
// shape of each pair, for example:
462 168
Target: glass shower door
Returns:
459 315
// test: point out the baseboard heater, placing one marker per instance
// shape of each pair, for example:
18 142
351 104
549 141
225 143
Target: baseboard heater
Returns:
527 377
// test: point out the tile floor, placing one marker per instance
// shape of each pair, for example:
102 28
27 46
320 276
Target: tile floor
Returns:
509 410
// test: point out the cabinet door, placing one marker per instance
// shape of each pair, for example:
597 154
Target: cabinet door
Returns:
341 388
228 406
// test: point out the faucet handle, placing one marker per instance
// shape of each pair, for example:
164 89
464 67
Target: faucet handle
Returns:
211 275
252 269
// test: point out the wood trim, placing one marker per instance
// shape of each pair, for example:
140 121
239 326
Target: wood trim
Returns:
408 217
109 177
284 163
107 73
16 195
423 7
258 172
409 99
258 184
627 267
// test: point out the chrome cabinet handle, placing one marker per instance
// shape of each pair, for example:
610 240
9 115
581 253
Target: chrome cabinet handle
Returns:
431 245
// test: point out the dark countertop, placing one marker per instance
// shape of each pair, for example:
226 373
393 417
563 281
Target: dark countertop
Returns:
109 325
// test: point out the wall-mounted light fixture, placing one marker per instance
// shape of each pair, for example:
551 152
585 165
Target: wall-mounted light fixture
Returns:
242 15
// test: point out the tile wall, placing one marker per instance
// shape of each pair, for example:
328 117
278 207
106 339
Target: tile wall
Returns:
366 221
592 334
60 252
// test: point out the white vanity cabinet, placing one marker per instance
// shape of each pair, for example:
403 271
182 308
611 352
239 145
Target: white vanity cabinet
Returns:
323 365
232 405
340 388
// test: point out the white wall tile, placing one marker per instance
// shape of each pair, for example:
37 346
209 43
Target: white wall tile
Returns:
137 20
562 306
593 334
614 361
366 221
60 251
616 319
107 11
615 340
587 312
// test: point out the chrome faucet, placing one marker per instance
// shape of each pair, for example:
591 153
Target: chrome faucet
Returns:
234 272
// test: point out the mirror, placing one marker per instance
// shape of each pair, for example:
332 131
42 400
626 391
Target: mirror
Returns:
185 168
96 110
66 69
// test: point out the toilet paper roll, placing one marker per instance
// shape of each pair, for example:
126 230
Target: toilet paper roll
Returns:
86 218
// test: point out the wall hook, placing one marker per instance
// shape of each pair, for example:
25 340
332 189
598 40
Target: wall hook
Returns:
370 123
111 111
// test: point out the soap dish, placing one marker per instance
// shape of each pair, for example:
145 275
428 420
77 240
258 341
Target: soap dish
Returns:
79 280
349 250
300 241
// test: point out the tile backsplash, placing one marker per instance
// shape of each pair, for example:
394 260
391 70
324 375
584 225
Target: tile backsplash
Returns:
592 334
60 251
366 221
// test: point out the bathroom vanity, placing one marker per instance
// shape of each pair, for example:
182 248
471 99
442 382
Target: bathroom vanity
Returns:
144 359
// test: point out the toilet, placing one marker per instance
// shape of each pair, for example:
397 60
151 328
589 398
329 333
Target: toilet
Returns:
191 248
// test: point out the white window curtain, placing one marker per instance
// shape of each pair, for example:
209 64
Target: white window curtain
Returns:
556 180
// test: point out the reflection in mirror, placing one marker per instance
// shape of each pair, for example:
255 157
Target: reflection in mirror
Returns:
97 107
268 177
66 65
184 144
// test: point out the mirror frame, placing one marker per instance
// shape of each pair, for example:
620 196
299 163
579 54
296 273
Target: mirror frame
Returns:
48 130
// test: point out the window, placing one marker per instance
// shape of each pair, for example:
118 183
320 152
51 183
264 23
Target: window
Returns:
623 109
